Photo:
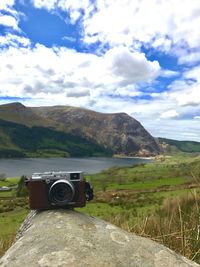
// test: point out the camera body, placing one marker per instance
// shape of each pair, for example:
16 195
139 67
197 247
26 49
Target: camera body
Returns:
57 189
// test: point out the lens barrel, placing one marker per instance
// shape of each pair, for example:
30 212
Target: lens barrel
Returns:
61 192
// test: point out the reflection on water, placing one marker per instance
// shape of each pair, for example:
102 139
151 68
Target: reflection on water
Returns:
18 167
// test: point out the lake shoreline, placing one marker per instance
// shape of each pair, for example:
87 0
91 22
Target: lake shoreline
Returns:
134 157
86 157
27 166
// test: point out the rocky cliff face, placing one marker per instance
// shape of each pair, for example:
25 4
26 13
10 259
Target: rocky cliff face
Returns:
118 131
61 238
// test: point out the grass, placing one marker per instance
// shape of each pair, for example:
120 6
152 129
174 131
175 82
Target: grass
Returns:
10 221
9 225
100 210
149 184
10 181
154 200
13 211
173 171
10 193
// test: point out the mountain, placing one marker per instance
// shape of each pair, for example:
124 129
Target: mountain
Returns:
169 145
17 140
16 112
117 132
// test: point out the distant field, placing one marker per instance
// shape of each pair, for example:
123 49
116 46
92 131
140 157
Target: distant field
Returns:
10 181
159 200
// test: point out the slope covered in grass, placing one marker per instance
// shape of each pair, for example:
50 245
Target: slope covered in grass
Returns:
22 141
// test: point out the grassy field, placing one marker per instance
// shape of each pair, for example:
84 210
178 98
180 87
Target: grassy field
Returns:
159 200
13 211
9 181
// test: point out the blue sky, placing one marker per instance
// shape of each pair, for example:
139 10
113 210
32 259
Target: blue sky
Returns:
138 57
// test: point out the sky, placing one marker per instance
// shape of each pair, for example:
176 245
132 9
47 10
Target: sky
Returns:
141 57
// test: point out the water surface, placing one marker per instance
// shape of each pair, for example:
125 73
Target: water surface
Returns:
18 167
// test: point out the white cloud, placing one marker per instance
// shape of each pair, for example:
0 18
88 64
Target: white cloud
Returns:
14 40
48 4
162 44
168 73
189 58
196 117
78 93
131 67
6 4
169 114
74 7
174 129
193 73
191 98
187 91
134 23
11 18
69 38
44 72
146 21
8 21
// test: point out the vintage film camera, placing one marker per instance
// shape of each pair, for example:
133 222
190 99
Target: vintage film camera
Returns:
58 189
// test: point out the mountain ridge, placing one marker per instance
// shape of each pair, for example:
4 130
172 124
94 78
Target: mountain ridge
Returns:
118 131
114 131
17 112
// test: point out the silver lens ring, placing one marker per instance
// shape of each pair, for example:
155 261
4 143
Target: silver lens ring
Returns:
61 192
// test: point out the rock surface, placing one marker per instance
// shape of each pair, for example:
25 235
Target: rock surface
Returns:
61 238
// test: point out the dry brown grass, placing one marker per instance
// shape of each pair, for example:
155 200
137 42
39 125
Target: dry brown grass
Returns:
176 224
5 244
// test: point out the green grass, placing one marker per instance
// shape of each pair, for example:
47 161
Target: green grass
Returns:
9 224
100 210
173 171
11 220
10 193
10 181
152 184
140 204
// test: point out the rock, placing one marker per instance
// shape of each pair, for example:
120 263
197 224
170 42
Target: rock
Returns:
62 238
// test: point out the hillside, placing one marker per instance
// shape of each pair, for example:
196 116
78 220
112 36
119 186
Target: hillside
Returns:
16 112
18 140
183 146
118 131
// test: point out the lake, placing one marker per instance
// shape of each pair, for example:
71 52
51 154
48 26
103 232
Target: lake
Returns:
18 167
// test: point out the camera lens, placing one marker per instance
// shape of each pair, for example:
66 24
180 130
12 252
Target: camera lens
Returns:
61 193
